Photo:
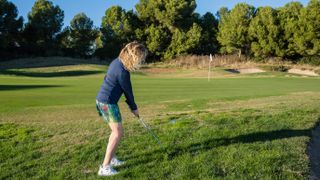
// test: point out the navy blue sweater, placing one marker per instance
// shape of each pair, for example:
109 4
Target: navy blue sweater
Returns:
116 82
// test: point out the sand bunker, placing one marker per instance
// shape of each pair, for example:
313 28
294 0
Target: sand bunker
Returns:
250 70
303 72
246 70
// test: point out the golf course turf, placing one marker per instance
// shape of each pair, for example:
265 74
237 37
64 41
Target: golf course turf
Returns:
244 126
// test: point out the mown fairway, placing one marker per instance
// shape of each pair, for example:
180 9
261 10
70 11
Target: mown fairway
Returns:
243 126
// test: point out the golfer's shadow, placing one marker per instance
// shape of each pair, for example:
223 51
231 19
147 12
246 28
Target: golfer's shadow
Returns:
208 144
241 139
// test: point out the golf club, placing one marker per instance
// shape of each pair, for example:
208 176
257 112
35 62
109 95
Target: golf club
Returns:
150 131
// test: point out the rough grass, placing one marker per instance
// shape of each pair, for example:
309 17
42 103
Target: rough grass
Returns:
247 127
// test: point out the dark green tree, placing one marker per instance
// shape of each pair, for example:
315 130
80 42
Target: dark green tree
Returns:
171 14
117 29
307 34
10 26
208 41
168 25
64 42
288 18
82 35
158 39
264 32
176 14
184 42
233 29
45 22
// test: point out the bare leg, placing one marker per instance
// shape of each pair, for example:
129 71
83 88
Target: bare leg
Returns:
114 139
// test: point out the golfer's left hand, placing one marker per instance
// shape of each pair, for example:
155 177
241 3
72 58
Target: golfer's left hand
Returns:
136 113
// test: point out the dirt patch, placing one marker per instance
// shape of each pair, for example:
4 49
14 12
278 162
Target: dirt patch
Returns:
245 70
314 155
303 72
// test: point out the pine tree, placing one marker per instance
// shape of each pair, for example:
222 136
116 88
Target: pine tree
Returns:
168 25
208 41
184 42
264 32
45 22
233 29
10 27
82 35
307 36
117 29
288 17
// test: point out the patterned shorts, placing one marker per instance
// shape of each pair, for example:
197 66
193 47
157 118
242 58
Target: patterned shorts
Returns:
109 112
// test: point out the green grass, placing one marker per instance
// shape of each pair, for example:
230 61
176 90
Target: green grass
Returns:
252 126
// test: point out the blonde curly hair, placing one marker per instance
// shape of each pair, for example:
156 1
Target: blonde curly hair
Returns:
133 55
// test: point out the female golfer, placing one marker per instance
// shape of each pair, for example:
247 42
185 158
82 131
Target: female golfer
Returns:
116 82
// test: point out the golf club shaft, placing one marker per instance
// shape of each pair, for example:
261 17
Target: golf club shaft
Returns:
150 131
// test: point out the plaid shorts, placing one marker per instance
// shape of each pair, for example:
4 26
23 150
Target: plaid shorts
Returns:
109 112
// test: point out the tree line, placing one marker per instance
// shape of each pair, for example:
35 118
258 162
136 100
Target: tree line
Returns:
168 28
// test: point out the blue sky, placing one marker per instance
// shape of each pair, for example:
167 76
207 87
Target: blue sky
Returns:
95 8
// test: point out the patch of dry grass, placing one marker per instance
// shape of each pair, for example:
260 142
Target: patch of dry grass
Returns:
231 62
46 62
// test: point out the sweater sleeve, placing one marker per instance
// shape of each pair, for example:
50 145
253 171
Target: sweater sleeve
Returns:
126 86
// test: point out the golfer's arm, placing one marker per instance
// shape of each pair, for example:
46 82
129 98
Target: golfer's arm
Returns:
126 86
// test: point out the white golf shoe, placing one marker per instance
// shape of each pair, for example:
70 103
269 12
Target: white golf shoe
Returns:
116 162
106 171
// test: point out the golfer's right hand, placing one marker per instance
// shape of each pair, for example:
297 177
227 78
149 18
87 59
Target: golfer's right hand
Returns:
136 113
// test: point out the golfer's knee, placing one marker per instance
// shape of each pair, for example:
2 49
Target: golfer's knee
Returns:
117 134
